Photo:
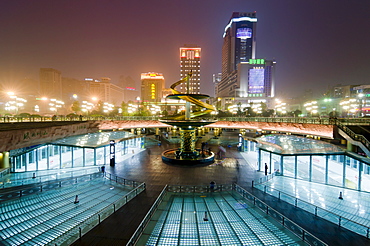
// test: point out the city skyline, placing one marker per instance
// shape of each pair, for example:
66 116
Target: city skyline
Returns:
316 44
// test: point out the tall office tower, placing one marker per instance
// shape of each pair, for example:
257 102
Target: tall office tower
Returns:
190 61
50 83
239 41
152 85
244 78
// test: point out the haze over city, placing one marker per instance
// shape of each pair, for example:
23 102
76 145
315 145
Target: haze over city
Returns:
316 44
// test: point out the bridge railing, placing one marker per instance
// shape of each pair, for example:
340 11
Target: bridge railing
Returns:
354 136
301 120
340 220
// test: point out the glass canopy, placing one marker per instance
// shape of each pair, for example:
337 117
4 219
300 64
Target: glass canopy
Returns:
290 144
93 140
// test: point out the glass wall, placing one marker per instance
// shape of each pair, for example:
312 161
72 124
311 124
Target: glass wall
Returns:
345 170
303 167
54 156
288 166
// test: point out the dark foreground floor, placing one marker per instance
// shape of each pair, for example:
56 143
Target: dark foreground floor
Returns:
148 167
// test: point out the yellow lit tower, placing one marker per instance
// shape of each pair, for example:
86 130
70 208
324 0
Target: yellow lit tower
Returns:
152 86
190 61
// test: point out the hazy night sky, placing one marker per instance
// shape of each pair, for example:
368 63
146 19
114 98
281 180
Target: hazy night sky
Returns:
316 43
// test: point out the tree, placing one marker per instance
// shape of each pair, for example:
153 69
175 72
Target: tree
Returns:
297 112
76 107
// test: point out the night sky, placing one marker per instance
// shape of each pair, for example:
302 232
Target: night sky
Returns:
316 43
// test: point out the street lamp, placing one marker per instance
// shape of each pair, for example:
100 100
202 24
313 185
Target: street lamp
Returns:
86 107
15 103
349 105
280 107
360 96
312 107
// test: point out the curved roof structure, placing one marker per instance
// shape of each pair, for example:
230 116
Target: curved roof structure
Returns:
290 144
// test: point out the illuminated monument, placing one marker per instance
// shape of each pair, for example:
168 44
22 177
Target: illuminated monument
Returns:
187 154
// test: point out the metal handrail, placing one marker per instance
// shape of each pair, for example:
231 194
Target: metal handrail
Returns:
340 223
303 120
122 181
38 180
39 187
354 136
287 223
73 234
147 218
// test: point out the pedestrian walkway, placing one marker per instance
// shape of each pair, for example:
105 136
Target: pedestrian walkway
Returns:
223 218
349 208
48 216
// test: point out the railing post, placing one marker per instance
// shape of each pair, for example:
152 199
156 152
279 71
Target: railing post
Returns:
99 218
367 233
279 195
316 211
264 190
296 201
80 231
340 221
252 183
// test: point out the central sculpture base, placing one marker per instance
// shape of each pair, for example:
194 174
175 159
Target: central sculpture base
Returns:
173 156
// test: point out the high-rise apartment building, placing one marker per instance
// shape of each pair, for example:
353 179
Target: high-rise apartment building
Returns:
152 86
105 91
50 83
190 62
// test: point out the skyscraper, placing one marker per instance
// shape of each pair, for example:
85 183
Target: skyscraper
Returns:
190 61
152 86
239 41
243 76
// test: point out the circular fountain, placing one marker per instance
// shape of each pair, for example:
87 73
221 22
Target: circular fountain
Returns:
187 154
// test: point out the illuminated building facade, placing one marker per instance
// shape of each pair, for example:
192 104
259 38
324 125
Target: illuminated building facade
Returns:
190 61
239 41
152 86
244 77
50 83
105 91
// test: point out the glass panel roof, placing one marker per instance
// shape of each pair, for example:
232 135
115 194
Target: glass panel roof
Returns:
93 140
290 144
